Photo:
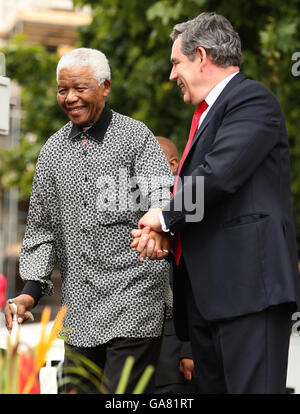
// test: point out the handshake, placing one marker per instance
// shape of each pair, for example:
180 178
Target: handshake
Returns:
149 239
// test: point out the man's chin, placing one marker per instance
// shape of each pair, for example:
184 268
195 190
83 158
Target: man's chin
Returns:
192 101
187 99
79 122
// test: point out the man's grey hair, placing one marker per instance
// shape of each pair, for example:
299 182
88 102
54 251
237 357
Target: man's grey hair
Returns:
82 56
215 34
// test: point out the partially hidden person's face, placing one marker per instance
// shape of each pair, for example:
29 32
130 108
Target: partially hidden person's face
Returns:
80 96
187 74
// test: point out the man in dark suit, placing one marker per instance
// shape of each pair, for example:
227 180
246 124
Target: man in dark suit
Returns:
237 264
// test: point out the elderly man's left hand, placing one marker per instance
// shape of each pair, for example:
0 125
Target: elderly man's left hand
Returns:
151 244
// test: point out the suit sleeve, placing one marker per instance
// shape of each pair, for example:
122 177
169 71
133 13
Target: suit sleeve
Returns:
186 350
247 134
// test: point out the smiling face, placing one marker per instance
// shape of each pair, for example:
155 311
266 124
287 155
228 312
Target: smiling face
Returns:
187 74
80 96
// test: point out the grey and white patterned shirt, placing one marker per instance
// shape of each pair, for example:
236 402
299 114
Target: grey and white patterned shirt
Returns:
80 216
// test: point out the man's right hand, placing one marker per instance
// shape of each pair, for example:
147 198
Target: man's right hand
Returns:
187 368
150 243
151 219
24 303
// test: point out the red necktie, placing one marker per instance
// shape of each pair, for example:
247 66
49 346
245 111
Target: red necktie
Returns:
194 126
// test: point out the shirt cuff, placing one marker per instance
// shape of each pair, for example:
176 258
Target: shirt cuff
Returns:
32 288
162 222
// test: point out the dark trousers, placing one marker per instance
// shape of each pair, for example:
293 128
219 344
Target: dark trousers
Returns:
242 355
110 358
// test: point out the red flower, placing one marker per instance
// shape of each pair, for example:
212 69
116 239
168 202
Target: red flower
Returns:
28 379
3 283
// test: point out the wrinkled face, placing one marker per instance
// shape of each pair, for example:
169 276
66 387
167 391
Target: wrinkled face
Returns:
187 74
80 96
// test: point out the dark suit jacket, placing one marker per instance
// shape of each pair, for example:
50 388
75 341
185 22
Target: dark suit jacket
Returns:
241 258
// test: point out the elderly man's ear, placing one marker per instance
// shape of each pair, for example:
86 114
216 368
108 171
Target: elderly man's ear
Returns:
107 86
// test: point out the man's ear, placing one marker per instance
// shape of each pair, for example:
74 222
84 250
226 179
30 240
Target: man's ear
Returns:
173 164
201 55
107 86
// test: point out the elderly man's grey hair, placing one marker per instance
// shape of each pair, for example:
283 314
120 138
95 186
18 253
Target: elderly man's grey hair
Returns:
82 56
215 34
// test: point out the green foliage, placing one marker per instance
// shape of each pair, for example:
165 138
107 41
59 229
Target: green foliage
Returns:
34 69
134 35
138 34
17 166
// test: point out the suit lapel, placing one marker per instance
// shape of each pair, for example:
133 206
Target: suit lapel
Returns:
231 84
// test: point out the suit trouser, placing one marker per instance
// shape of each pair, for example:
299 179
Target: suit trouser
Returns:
110 358
241 355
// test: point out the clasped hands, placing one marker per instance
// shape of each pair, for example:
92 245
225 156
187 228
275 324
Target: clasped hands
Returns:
149 240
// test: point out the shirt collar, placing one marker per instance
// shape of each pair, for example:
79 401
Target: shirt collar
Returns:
97 131
216 91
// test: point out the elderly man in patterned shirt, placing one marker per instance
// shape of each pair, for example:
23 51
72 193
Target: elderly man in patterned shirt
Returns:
94 180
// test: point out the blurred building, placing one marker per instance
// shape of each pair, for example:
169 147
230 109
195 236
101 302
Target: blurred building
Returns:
51 23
